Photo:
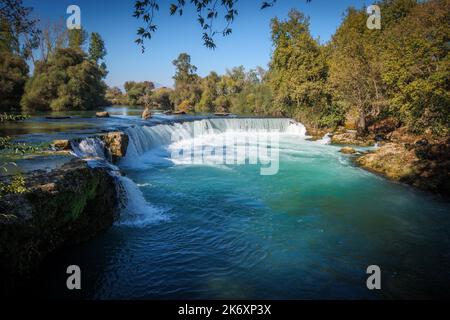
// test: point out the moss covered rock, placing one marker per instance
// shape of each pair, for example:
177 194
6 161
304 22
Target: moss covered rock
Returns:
66 206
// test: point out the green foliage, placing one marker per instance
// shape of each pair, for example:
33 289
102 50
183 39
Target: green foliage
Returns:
298 70
160 99
8 146
416 67
13 75
5 117
187 91
16 185
97 50
77 38
138 93
68 81
18 31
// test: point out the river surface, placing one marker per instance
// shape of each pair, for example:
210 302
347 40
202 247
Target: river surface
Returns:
209 230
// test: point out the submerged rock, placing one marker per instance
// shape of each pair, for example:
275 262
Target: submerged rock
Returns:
69 205
347 150
103 114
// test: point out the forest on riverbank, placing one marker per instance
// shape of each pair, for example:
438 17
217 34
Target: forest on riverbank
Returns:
397 76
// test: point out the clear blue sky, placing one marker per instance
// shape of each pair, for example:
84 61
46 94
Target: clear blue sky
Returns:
249 44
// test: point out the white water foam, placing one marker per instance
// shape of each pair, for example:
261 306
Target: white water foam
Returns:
92 148
155 145
326 139
135 210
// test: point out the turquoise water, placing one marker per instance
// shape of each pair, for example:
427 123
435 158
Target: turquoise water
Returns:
228 232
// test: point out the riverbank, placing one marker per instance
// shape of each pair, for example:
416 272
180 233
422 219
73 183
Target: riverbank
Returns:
420 161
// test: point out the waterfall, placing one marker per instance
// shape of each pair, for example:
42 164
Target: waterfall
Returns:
134 209
89 148
144 138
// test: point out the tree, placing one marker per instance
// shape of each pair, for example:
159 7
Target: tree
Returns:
68 81
53 36
416 67
185 71
187 83
77 38
298 70
115 96
209 93
352 70
97 50
16 29
161 99
138 93
13 75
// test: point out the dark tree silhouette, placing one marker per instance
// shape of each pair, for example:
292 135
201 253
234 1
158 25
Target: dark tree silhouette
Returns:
208 12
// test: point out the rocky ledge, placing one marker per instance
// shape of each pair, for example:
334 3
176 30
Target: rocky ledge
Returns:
422 164
66 206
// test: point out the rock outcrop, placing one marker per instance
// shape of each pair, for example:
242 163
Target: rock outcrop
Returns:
69 205
103 114
116 144
350 137
421 164
146 114
347 150
61 144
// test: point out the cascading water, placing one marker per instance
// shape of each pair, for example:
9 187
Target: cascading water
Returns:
134 209
206 131
89 148
159 139
326 139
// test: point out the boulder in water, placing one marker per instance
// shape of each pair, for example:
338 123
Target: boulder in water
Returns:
347 150
146 114
61 144
116 144
103 114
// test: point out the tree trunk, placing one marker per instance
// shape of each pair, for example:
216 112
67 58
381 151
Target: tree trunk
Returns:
361 123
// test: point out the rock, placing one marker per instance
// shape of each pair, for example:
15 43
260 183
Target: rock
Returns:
347 150
179 112
316 133
383 127
402 162
221 114
103 114
61 144
350 137
69 205
146 114
116 144
392 160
